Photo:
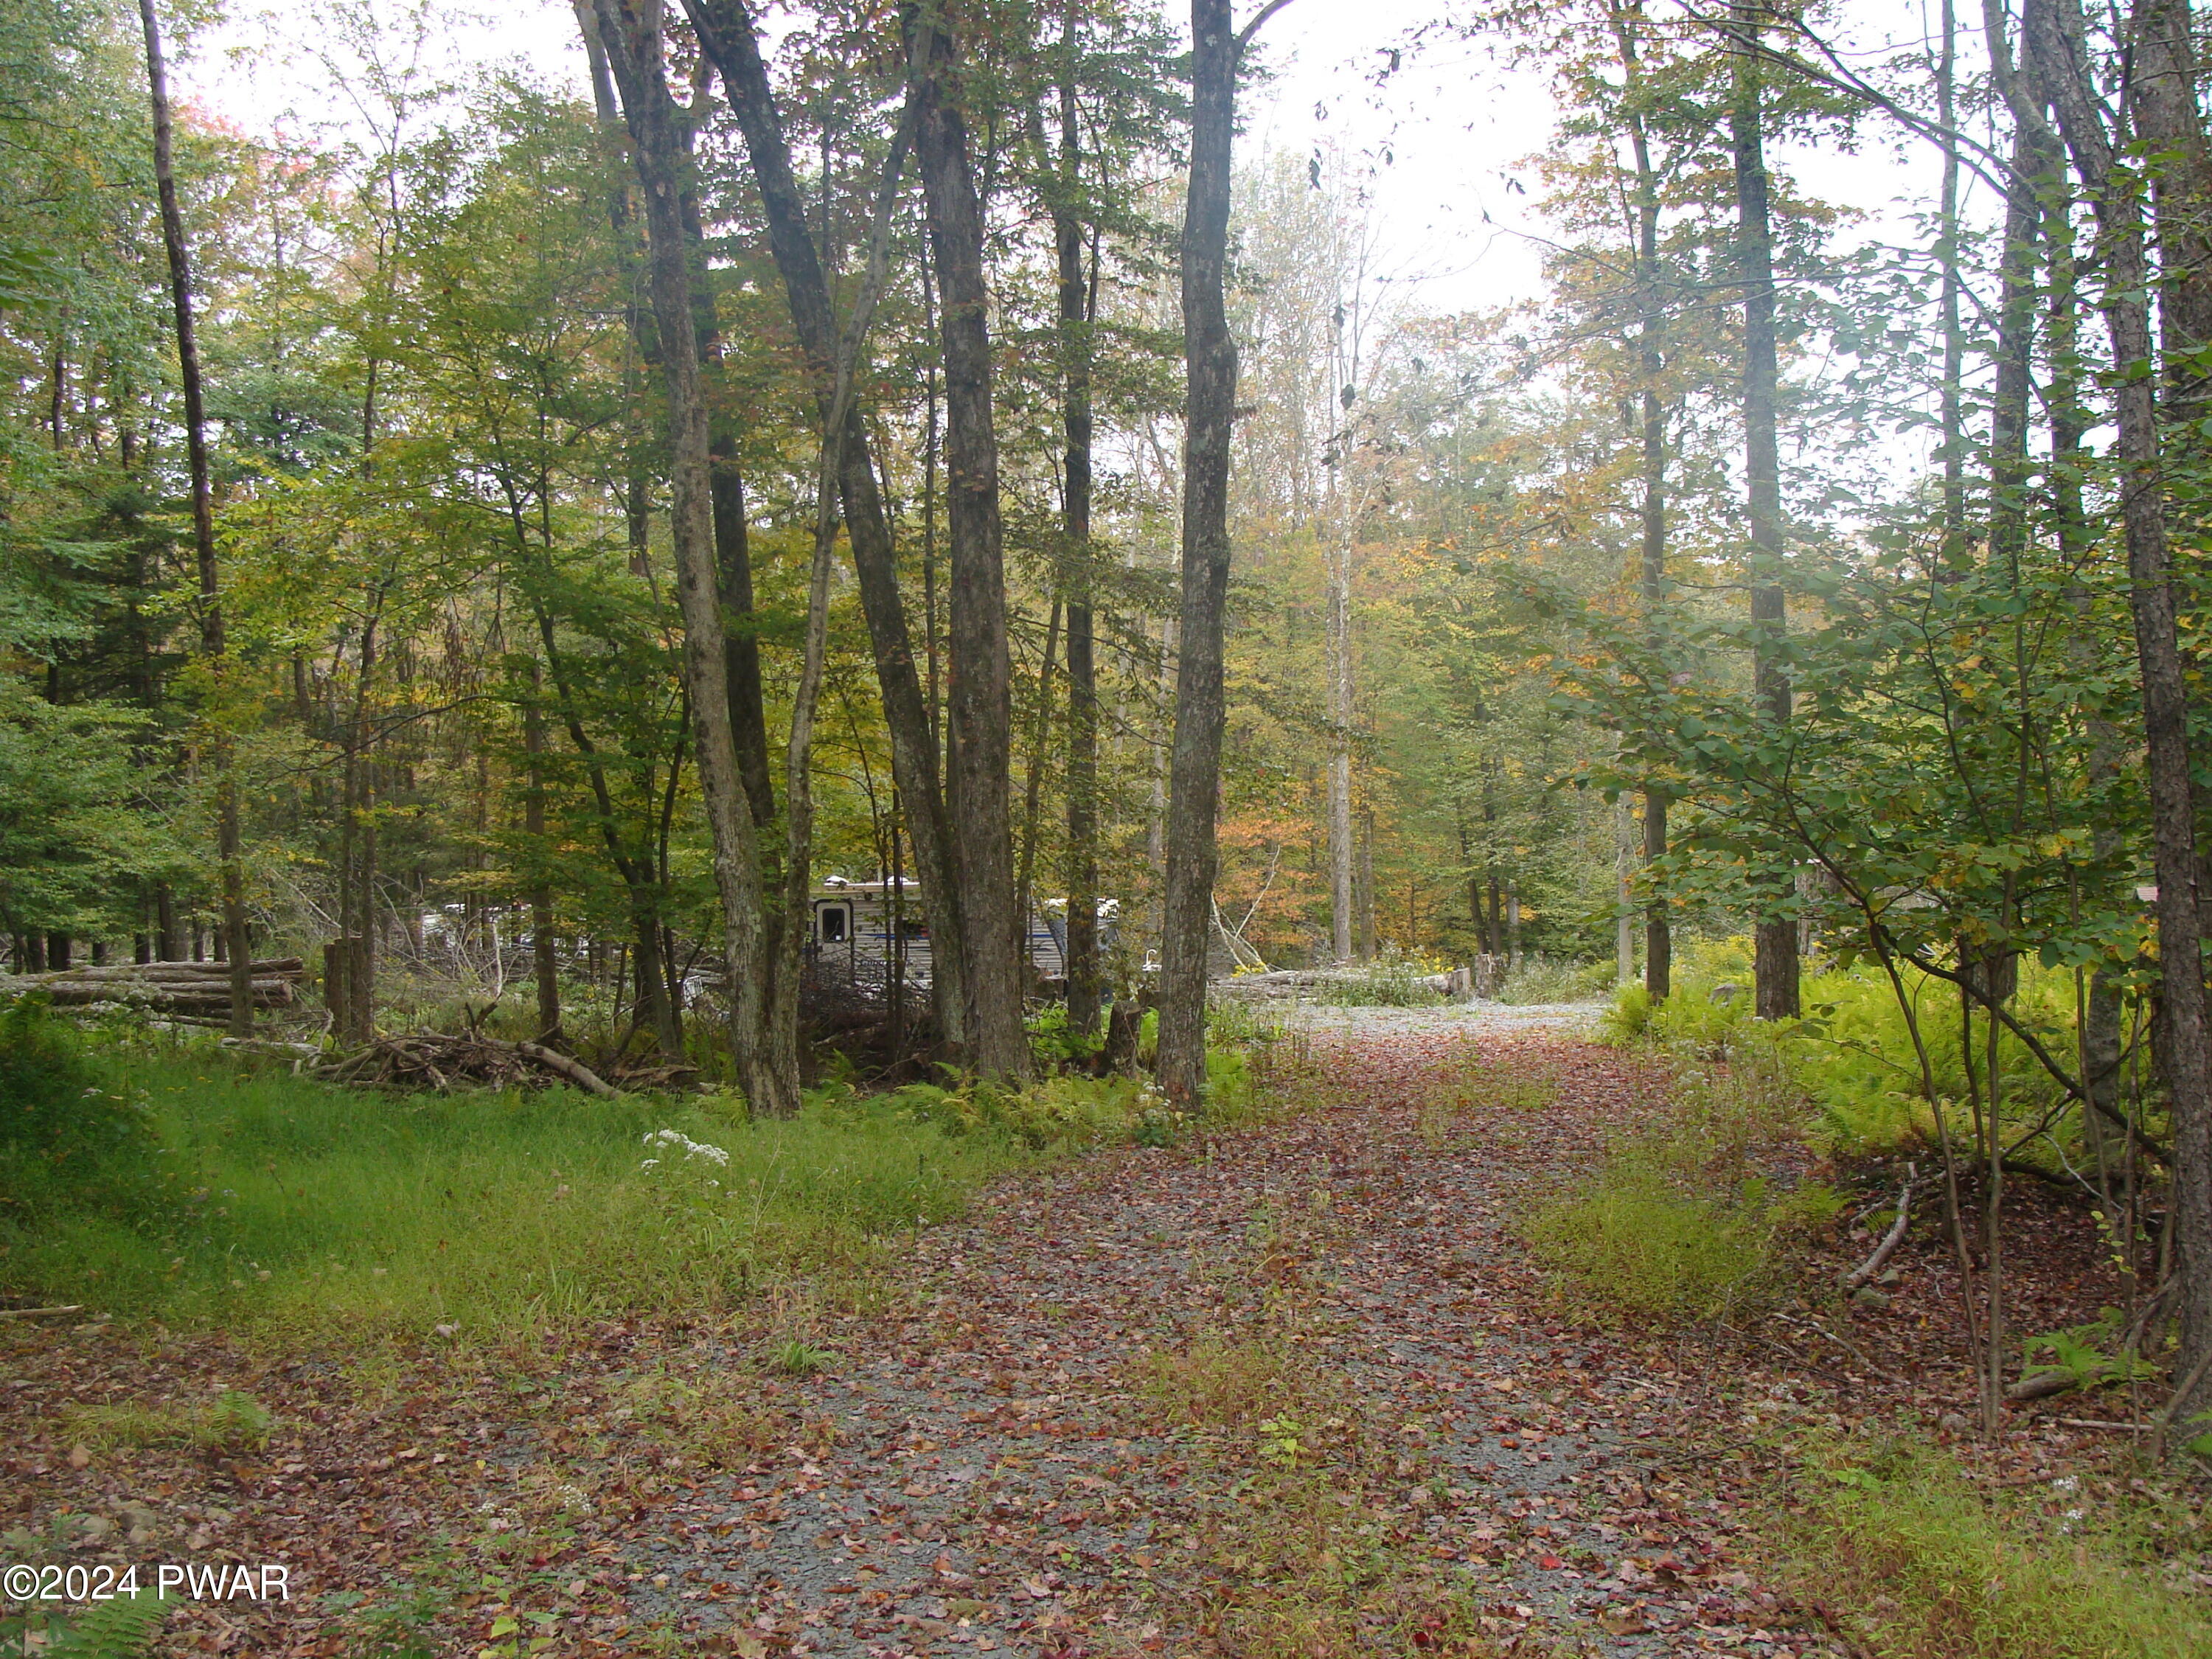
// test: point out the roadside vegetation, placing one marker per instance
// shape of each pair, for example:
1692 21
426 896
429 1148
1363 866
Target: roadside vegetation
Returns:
163 1177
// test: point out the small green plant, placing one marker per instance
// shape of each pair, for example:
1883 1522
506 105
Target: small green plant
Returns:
1055 1043
2082 1352
1391 980
1924 1565
1631 1241
800 1359
1283 1441
1221 1382
235 1422
122 1628
1549 978
61 1126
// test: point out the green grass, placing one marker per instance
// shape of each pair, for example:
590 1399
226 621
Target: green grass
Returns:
1921 1564
256 1199
1630 1240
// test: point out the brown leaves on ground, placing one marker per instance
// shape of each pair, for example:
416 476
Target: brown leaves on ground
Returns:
1294 1391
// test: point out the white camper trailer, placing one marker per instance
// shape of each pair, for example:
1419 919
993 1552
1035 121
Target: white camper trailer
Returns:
859 927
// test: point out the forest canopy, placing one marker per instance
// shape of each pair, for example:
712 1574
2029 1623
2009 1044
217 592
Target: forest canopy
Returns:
540 534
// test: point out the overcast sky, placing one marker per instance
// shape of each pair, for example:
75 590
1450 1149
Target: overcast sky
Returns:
1452 233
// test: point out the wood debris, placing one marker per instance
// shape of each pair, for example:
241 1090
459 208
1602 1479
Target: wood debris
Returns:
433 1060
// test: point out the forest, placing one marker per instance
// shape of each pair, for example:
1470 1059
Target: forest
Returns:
898 604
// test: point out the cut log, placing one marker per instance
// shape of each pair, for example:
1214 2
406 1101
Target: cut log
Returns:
184 989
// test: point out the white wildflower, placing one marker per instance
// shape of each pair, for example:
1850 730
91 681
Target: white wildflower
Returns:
676 1140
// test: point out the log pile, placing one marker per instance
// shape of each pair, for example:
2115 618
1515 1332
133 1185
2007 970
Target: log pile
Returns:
198 992
433 1060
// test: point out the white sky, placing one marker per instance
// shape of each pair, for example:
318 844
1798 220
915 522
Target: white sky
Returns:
1457 125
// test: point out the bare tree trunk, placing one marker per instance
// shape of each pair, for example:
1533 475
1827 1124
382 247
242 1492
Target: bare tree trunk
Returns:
1774 937
2054 33
979 708
228 849
1950 416
728 33
1339 742
1033 787
2162 95
1076 296
544 959
1210 370
1658 936
630 31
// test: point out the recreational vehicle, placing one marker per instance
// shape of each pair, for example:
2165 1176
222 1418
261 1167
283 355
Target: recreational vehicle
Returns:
860 929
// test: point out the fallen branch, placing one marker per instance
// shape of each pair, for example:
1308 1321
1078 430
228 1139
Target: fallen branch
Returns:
1882 1252
35 1313
2041 1386
574 1070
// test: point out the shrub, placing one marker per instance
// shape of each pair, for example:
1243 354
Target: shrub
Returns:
1630 1240
52 1103
1390 979
236 1421
1926 1566
1548 979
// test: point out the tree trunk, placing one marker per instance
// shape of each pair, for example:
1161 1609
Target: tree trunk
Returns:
1210 373
1076 296
544 959
727 34
2054 32
979 708
1774 937
1339 743
2163 98
630 31
228 849
1033 789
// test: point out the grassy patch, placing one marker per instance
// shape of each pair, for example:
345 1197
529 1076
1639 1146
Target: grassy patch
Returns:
1629 1240
259 1201
1683 1222
1224 1382
234 1421
1922 1565
1547 980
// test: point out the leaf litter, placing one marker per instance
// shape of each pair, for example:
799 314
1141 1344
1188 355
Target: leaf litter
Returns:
1294 1388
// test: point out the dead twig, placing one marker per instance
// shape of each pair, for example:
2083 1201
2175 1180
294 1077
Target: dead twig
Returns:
1845 1343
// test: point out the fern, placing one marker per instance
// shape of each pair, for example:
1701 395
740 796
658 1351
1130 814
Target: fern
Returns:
120 1629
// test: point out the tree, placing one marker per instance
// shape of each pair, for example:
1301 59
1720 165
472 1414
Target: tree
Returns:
1210 372
764 1039
1776 930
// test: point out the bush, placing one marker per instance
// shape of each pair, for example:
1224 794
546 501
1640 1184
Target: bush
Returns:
1925 1566
1390 979
1547 979
66 1139
1630 1240
1683 1223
